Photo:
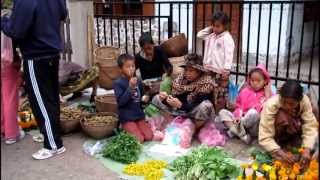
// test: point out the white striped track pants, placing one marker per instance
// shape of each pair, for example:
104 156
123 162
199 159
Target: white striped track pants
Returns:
42 86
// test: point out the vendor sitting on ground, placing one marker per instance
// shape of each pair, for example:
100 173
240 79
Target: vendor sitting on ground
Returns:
287 121
191 92
151 60
244 120
129 94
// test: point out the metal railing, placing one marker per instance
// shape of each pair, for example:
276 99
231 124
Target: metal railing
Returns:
283 35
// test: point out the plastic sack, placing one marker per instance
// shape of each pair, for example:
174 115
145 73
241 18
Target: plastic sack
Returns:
179 132
6 50
151 110
233 91
158 124
92 148
166 84
209 135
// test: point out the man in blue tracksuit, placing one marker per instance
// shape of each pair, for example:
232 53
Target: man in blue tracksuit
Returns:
35 26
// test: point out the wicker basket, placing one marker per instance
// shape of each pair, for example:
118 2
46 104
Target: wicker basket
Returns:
106 103
99 131
70 125
106 55
106 59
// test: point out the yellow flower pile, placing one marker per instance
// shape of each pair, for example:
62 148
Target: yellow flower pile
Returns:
150 170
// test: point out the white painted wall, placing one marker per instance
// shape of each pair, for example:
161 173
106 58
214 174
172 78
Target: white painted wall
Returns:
78 11
274 32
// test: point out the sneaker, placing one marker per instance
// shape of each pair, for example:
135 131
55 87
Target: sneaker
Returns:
47 153
14 140
38 138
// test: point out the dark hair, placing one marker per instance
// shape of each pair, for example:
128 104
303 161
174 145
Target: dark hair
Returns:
194 58
292 89
145 38
123 58
258 71
221 17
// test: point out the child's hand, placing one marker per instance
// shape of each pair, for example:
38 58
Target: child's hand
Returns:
174 102
145 98
163 95
133 82
267 90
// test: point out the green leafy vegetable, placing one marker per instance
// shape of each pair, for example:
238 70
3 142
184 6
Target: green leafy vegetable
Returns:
261 156
204 164
123 148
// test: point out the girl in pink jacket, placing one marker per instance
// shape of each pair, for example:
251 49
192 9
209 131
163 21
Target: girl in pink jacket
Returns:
244 121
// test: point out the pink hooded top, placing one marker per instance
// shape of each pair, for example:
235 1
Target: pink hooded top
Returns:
249 98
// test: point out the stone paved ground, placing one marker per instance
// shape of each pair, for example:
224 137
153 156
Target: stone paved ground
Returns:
17 163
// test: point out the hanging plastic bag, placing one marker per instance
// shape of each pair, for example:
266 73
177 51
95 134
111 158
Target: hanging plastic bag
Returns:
6 50
179 132
209 135
233 92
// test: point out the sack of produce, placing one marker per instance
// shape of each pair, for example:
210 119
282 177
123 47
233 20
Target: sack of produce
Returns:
99 125
175 46
179 132
158 124
209 135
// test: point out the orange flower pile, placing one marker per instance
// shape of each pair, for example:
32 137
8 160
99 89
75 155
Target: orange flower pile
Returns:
282 171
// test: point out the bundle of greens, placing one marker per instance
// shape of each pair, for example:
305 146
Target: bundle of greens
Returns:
261 156
204 164
123 148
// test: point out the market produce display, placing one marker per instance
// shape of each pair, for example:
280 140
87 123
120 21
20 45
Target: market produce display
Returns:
150 170
70 113
277 170
204 164
100 119
123 148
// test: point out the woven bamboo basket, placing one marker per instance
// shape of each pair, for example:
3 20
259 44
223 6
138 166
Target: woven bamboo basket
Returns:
99 130
106 59
106 103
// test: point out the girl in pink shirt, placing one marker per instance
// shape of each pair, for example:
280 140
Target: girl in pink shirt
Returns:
244 120
218 54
